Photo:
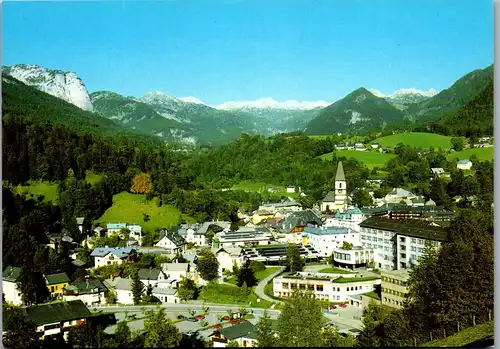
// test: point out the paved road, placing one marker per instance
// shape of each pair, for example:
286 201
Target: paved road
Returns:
259 290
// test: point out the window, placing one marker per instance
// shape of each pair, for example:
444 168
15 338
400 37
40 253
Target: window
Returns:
413 248
402 239
380 239
319 288
403 247
413 240
51 288
420 241
402 255
338 289
340 185
302 286
284 285
310 287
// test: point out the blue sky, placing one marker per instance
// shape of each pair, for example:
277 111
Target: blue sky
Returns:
243 50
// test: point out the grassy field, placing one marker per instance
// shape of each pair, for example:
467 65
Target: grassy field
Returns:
334 270
229 294
416 139
129 208
372 294
369 158
37 188
467 336
481 153
262 187
260 275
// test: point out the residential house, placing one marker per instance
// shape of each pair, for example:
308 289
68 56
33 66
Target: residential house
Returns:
98 230
437 171
115 228
175 271
324 286
290 189
375 145
166 295
109 256
275 207
324 240
228 256
244 333
56 283
397 195
297 221
430 202
261 215
80 221
171 242
55 319
196 233
359 147
10 289
122 288
135 232
340 146
151 276
464 164
394 287
90 291
398 243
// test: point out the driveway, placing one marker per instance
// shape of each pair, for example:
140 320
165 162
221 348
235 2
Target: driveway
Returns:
259 290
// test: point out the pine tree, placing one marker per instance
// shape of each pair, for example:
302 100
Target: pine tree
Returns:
137 286
265 334
246 275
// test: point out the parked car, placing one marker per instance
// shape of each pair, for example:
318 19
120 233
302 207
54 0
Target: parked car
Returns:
191 319
180 317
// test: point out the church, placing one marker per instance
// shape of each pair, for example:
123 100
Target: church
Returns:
336 199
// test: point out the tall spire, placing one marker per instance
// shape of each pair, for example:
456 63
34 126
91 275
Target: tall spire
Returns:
340 172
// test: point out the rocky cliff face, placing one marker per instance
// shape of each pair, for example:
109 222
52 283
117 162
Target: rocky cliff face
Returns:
65 85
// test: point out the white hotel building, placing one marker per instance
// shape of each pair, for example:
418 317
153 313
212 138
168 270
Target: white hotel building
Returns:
399 243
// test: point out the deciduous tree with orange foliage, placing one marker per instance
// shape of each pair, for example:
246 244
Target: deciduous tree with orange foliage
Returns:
142 184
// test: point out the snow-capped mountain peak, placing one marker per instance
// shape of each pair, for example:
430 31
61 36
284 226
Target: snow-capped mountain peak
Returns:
404 91
64 85
191 99
270 103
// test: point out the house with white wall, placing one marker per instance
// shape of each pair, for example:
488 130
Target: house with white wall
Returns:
227 256
151 276
115 228
10 289
175 271
171 242
166 295
244 333
111 256
464 164
122 288
90 291
348 219
52 319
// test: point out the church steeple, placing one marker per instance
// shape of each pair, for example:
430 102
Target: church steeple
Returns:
340 172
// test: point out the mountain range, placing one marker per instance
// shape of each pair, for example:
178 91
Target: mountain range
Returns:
190 120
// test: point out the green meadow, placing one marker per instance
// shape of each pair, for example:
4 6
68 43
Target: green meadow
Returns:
416 139
130 208
481 153
369 158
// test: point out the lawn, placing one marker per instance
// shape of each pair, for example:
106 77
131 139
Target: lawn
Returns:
229 294
467 336
416 139
481 153
344 280
369 158
334 270
263 187
130 208
260 275
37 188
93 178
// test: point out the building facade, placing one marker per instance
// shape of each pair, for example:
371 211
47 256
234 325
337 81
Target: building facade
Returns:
394 287
325 240
328 287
